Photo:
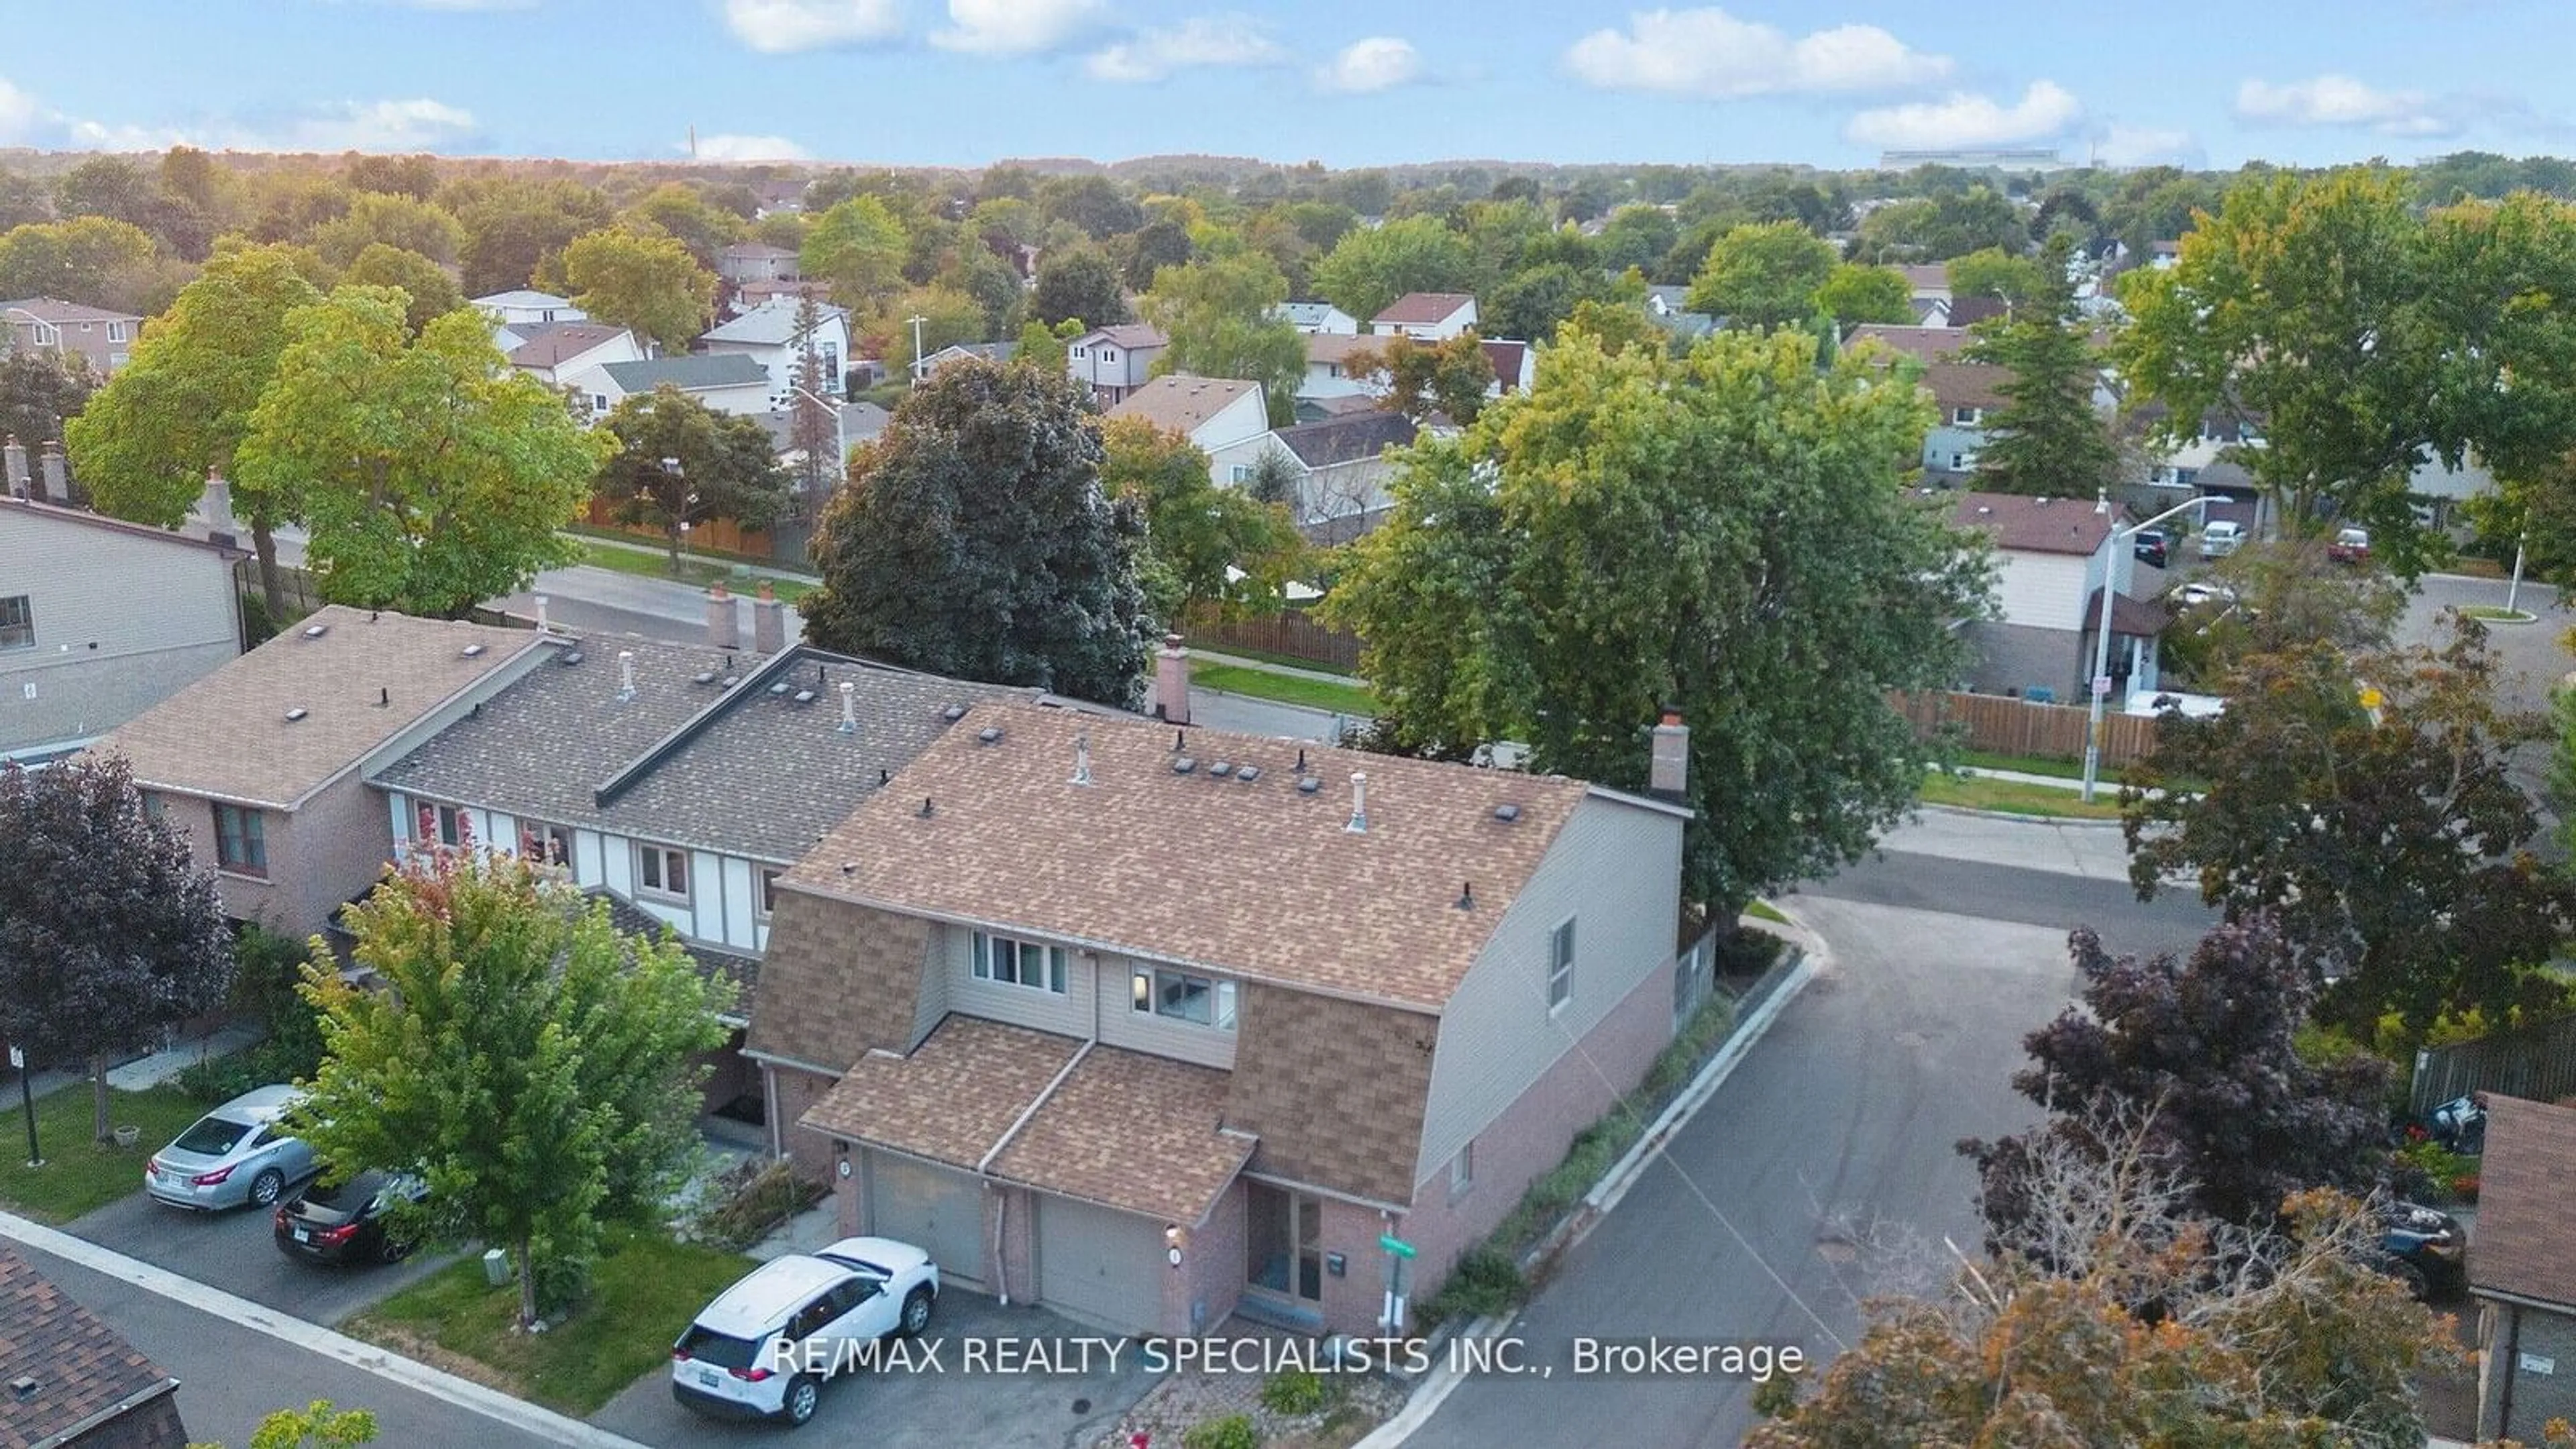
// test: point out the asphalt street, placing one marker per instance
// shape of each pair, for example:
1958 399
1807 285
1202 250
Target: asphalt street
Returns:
234 1251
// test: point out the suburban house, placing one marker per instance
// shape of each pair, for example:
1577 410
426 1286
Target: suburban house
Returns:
745 262
1923 344
526 304
727 382
2522 1272
73 1382
1668 307
95 335
262 763
993 352
77 659
1330 373
1317 317
1223 416
1515 367
1929 284
1341 468
1025 1010
558 352
751 296
2052 558
1426 316
1966 395
769 336
1115 361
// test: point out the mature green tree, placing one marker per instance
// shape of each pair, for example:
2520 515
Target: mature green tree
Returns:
2020 281
975 540
40 392
1422 379
995 286
2048 440
1096 204
1532 304
1853 293
434 476
109 933
948 317
393 219
1195 531
513 225
431 290
87 259
1617 325
1149 250
1371 267
1636 236
1042 347
182 404
1723 533
2367 803
679 463
318 1425
858 248
1218 316
681 212
1080 283
1763 275
2157 204
414 176
1932 229
24 201
647 282
525 1059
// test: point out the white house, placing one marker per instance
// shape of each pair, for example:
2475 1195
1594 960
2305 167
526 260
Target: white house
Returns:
2052 558
727 382
1427 316
1114 361
1220 415
756 262
767 334
1340 467
561 351
526 304
1329 373
1312 318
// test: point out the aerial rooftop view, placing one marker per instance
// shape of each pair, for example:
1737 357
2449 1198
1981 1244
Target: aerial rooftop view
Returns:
1128 724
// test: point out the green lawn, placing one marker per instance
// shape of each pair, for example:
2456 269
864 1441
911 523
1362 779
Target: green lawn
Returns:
1765 911
79 1175
1284 688
2497 614
644 562
2024 764
643 1291
2015 797
1285 661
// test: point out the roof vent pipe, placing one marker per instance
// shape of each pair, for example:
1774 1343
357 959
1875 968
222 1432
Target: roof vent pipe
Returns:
542 625
849 708
625 674
1359 803
1082 758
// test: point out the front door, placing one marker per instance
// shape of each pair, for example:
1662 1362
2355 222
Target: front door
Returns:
1283 1244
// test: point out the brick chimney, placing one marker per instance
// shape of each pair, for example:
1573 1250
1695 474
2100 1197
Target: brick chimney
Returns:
215 505
1668 764
13 464
768 623
1172 682
724 618
58 488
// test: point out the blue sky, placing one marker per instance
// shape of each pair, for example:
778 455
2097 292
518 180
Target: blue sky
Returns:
1346 82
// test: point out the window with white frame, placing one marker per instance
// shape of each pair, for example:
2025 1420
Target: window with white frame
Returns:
1242 473
442 825
1020 963
1180 996
662 871
17 622
541 844
769 875
1462 1171
1560 965
1965 417
1107 355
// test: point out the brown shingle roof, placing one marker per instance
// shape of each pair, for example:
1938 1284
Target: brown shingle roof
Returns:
1925 344
361 681
2145 618
2035 525
1422 308
951 1100
1130 335
1131 1131
1150 862
561 343
1927 277
1966 384
82 1368
1182 404
1336 347
2526 1243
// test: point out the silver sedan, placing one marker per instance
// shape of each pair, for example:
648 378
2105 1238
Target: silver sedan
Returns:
235 1154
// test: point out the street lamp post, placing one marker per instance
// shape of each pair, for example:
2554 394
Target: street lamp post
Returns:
916 346
2099 686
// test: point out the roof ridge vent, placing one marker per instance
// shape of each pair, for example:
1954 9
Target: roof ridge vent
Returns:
1183 764
1220 770
1247 773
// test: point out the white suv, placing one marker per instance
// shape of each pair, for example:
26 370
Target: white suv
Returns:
2221 539
751 1352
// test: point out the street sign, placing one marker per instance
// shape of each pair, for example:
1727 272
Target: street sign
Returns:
17 1060
2101 686
1395 1245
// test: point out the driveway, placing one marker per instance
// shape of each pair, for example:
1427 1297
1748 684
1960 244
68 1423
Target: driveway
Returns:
233 1251
934 1408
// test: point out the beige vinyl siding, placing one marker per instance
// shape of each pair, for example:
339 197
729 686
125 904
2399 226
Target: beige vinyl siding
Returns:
1121 1025
1069 1014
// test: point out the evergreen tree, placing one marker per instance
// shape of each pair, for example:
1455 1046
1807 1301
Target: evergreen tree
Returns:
2049 440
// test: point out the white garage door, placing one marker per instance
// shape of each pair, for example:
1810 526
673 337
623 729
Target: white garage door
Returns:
937 1209
1101 1266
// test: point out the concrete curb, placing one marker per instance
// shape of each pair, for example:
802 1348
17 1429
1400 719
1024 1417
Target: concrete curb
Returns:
2020 819
314 1338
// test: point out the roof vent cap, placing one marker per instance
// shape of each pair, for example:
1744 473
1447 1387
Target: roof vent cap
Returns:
990 734
473 651
573 657
953 713
23 1388
1507 813
804 696
316 631
1247 773
703 676
296 713
1183 764
1309 785
1220 770
781 687
730 680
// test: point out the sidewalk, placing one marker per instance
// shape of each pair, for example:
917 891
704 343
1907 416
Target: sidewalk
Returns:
737 566
145 1072
1291 671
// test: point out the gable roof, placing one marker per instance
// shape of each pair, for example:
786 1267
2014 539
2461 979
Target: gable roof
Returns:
1927 277
1966 384
2035 525
32 509
1338 346
1925 344
1506 359
53 309
1183 404
1134 336
771 324
1150 862
85 1373
755 252
561 342
1307 314
360 681
1347 438
1969 311
2524 1233
523 297
1423 308
693 372
959 351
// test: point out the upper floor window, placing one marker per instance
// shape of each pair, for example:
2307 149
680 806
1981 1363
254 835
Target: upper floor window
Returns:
241 840
1106 355
662 871
17 622
1965 417
769 875
1184 997
116 332
1020 963
443 825
545 844
1560 965
156 806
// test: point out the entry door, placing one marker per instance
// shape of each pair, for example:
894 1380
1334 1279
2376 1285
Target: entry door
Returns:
1283 1243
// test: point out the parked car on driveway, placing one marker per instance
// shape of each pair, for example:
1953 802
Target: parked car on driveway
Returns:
2221 539
746 1354
345 1223
2424 1248
235 1154
2151 545
2350 546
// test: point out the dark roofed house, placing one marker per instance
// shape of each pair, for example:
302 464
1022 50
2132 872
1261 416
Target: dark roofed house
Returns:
728 382
2053 557
1115 362
2522 1270
1025 1012
1923 344
68 1381
1966 312
1342 470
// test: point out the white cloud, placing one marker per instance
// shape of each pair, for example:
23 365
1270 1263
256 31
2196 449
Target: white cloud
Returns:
1016 27
2339 100
2147 146
418 124
19 114
1711 54
1381 62
1221 40
1963 119
777 27
749 148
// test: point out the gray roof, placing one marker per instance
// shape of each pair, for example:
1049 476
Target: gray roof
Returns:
1347 438
771 324
1307 314
959 351
694 373
860 423
54 309
742 771
743 971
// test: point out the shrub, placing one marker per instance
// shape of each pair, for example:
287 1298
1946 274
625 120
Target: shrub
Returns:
742 1204
1234 1431
1486 1282
1293 1392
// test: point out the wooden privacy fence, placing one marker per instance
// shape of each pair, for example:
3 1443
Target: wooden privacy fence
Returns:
2537 1062
1288 632
2000 724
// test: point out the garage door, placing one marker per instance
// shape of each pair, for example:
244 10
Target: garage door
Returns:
1101 1266
937 1209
